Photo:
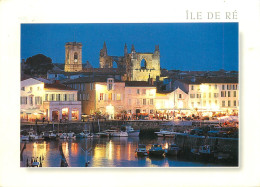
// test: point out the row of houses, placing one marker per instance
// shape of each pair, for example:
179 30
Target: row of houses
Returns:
110 97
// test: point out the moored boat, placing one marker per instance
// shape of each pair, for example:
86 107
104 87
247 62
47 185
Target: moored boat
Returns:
71 135
156 150
141 150
119 134
173 150
131 132
24 138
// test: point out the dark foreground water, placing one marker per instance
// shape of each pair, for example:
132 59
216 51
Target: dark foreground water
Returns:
105 152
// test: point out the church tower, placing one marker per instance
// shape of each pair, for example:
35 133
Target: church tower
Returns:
73 57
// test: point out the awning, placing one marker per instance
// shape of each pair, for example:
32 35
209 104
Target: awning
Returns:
32 111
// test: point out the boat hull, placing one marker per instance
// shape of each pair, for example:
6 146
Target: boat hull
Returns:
156 153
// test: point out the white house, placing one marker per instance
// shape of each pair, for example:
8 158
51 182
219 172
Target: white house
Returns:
50 101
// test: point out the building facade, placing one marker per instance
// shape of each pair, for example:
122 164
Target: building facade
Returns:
51 102
73 57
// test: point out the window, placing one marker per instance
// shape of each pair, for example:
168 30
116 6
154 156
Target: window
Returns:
209 102
110 96
198 95
91 86
80 97
24 100
57 97
84 97
31 100
87 96
235 94
101 96
228 94
229 103
216 102
106 97
110 82
223 87
192 95
138 91
209 95
52 97
31 89
223 103
38 100
235 103
23 88
223 93
192 87
216 87
144 101
204 103
118 97
84 87
65 97
71 97
180 96
46 97
204 95
215 95
151 101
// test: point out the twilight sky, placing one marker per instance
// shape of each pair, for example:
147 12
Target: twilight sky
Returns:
183 46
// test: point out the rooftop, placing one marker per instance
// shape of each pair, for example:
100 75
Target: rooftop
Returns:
201 80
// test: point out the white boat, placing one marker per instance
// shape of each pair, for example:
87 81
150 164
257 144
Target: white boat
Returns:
132 132
33 136
71 135
164 133
119 134
141 150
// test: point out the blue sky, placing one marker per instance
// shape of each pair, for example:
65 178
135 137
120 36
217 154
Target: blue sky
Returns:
183 46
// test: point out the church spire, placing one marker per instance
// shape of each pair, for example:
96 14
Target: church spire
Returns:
105 48
133 48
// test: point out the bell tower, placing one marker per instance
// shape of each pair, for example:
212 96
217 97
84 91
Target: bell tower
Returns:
73 57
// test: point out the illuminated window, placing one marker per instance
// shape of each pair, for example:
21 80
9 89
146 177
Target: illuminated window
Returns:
198 95
38 100
118 97
209 95
110 96
101 96
204 95
204 103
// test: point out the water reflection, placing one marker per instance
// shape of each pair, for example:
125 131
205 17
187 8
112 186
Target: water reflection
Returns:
103 152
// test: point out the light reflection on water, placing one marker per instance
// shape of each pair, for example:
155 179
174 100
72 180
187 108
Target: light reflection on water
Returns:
102 152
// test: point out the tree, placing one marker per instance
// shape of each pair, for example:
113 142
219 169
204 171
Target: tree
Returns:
38 64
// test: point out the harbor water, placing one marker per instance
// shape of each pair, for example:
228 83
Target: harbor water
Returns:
106 152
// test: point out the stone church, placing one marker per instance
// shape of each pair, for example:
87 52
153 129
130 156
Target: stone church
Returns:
134 66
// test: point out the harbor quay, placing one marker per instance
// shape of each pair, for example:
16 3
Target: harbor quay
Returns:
185 137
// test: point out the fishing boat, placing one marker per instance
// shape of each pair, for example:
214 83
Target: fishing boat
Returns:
156 150
173 150
141 150
131 132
